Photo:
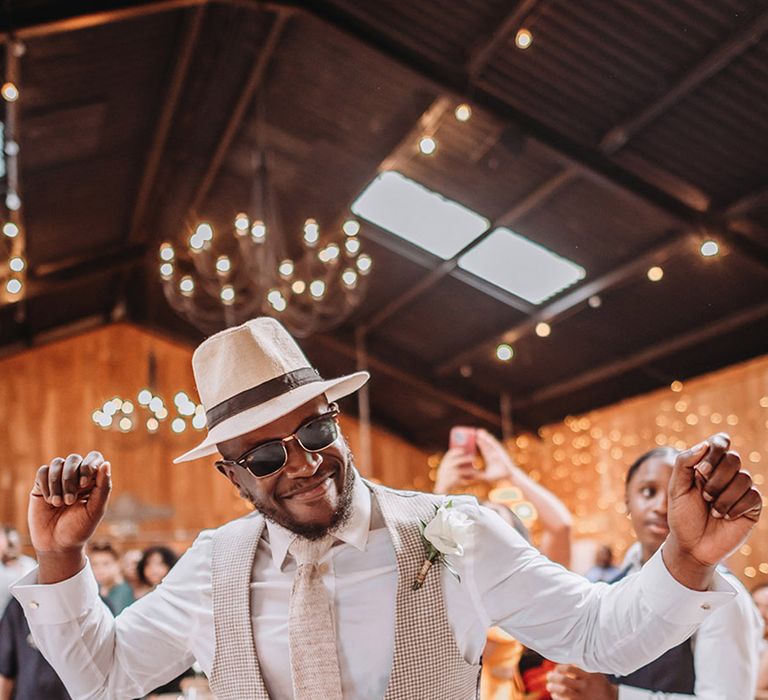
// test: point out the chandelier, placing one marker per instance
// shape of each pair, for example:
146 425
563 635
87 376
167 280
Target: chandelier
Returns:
12 261
223 278
149 410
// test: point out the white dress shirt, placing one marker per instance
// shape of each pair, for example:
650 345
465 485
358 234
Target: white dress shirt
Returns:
504 582
10 573
725 649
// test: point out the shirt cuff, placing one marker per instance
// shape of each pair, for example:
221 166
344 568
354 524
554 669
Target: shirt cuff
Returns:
56 603
677 604
627 692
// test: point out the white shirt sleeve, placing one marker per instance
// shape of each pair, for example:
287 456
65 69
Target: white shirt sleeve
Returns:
99 657
612 629
725 655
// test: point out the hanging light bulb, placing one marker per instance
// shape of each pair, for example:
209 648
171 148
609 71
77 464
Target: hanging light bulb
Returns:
187 286
196 242
205 231
317 288
258 231
228 294
166 252
427 145
523 38
352 246
13 201
241 222
351 227
329 253
13 286
364 263
10 92
311 232
463 112
223 264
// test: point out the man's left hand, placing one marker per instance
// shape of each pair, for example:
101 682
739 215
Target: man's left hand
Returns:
712 507
571 683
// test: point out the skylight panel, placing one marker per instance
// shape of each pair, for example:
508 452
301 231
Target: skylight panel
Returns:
520 266
419 215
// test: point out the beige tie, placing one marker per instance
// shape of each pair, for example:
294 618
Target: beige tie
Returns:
314 659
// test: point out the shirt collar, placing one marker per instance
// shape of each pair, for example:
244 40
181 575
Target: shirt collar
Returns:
354 531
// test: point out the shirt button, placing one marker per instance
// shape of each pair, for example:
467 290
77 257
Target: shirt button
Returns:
706 606
34 604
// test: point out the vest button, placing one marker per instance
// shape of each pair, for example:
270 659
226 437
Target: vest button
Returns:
34 604
706 606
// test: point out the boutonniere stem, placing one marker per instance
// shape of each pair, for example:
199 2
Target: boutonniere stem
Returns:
445 534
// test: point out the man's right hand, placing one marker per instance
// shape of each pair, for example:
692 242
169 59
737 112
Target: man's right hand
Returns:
66 505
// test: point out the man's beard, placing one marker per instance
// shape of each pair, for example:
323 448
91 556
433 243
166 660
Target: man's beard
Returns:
307 530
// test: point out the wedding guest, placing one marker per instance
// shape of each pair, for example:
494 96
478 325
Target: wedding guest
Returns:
105 562
719 662
154 565
456 471
604 568
129 566
760 596
510 669
13 564
324 591
24 673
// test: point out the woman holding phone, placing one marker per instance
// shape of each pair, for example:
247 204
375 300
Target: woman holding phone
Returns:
510 671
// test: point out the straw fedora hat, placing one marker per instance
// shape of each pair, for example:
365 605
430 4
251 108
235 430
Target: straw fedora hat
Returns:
253 374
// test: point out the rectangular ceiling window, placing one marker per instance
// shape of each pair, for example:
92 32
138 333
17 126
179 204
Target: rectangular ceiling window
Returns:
419 215
520 266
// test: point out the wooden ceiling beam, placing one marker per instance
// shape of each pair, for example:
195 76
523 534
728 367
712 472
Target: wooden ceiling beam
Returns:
244 101
55 277
567 303
749 203
89 20
655 352
378 365
509 25
162 129
617 136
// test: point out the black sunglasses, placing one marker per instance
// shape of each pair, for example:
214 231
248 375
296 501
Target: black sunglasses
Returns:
266 459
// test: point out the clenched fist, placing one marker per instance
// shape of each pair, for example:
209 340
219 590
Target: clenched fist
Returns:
66 505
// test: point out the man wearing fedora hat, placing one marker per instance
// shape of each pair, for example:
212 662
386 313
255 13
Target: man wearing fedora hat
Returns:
313 596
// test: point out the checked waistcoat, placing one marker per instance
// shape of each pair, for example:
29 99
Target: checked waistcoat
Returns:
427 663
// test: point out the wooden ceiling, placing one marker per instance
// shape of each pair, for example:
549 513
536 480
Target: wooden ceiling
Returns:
626 134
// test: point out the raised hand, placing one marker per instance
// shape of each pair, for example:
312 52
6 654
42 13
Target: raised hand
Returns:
66 504
498 463
567 682
712 504
455 471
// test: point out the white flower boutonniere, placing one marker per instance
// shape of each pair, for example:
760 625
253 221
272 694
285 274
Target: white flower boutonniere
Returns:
445 534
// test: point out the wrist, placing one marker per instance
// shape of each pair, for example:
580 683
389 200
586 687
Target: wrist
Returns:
685 568
59 565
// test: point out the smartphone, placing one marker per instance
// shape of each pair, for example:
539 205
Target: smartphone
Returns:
463 438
